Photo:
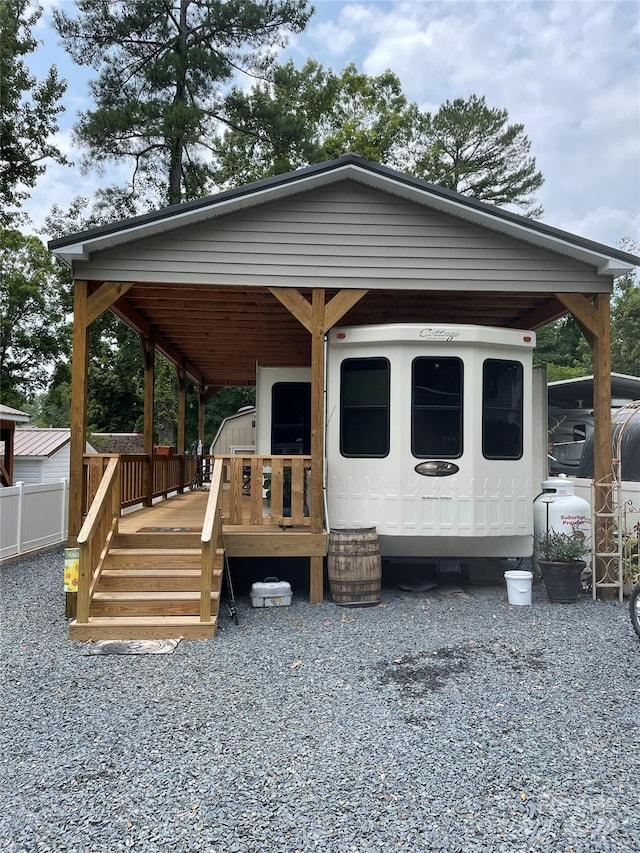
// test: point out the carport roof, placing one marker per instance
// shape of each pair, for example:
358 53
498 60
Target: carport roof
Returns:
606 259
219 332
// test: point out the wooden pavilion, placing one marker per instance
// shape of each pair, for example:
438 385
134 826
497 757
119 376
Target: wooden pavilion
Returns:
258 275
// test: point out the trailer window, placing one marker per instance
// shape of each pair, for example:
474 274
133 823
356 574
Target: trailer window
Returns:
502 409
436 407
364 407
291 418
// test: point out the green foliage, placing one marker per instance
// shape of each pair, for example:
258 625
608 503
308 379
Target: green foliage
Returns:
563 348
469 147
309 115
34 329
161 66
28 110
562 547
165 401
116 377
625 321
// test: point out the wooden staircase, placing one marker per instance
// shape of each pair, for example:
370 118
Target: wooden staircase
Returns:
149 588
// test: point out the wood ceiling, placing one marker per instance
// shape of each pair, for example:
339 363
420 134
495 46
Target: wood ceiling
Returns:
220 333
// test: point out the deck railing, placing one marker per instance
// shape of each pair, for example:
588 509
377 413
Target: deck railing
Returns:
95 536
170 474
277 489
260 490
211 539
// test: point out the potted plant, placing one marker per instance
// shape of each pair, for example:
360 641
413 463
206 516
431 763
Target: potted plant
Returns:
561 563
631 559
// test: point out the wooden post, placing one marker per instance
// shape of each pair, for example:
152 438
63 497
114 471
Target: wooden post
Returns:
182 411
317 318
201 408
148 355
78 422
606 568
594 321
317 439
79 387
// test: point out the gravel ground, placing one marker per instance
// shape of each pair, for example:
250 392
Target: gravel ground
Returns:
430 723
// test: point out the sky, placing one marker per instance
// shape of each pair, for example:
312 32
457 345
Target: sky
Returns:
568 70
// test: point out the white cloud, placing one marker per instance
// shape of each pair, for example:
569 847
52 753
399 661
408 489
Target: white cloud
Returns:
566 70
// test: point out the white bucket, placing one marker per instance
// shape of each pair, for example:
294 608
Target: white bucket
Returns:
519 587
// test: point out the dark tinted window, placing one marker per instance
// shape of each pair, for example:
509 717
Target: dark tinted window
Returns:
502 409
291 418
436 407
364 407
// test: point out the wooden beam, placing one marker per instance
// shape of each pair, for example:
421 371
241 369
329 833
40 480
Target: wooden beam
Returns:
104 297
149 359
296 304
78 416
538 317
337 307
584 313
139 324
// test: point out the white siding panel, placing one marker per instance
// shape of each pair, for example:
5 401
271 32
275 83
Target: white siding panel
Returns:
342 236
27 470
56 468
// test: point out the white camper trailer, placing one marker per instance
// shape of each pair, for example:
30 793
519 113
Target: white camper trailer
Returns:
429 436
430 440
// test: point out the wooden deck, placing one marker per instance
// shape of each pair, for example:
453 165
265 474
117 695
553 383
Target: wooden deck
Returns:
185 513
157 571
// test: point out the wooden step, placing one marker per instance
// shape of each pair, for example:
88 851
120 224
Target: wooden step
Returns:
151 558
149 603
157 540
154 580
143 628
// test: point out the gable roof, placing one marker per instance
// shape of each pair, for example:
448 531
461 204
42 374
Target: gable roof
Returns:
607 260
39 442
9 414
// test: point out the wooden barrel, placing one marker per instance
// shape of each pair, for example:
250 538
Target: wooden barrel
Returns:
354 566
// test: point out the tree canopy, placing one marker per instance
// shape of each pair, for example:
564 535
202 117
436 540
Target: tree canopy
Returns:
469 147
29 111
33 317
307 115
625 320
158 96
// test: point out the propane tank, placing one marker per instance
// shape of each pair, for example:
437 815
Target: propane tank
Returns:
558 508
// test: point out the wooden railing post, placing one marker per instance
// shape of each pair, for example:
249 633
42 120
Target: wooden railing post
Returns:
211 535
101 522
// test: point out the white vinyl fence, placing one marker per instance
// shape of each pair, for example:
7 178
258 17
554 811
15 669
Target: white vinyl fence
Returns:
32 516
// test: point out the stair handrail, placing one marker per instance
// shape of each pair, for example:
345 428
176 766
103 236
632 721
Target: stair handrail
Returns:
211 537
95 536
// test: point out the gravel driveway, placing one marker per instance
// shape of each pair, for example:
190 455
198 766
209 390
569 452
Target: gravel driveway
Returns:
430 723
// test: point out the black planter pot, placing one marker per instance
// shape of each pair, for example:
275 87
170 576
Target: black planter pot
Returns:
563 581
